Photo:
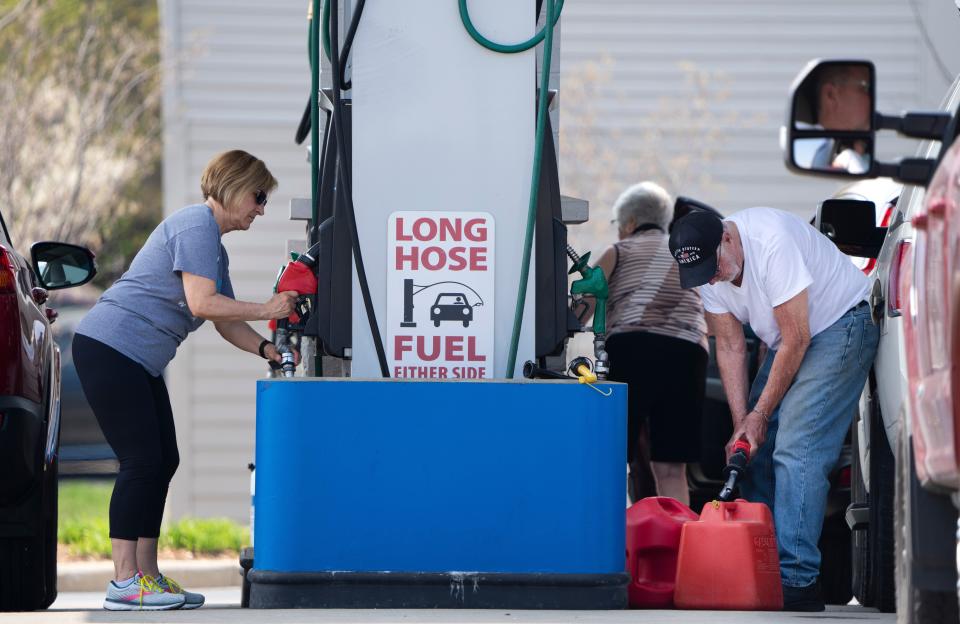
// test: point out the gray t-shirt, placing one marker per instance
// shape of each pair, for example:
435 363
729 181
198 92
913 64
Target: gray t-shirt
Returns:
144 315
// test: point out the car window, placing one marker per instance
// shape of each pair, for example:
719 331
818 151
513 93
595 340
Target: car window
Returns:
451 300
4 236
952 99
912 199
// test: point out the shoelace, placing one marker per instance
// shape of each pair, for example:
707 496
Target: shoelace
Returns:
175 587
148 584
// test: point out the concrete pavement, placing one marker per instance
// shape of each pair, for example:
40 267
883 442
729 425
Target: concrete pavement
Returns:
223 606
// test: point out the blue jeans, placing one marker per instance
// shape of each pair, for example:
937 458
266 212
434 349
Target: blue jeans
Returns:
790 471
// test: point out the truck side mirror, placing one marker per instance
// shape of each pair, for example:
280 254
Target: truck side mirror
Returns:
852 225
61 265
830 122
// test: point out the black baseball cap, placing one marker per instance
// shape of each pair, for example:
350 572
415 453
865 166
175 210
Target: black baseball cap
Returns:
693 243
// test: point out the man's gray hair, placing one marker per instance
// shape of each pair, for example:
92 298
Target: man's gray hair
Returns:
646 202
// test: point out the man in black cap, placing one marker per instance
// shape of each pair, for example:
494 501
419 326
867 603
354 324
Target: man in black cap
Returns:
807 302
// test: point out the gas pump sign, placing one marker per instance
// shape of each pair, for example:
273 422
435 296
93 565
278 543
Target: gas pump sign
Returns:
440 290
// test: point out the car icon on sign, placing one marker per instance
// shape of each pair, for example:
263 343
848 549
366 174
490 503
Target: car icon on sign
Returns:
451 307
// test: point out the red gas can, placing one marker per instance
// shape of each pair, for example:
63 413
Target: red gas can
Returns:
653 539
728 560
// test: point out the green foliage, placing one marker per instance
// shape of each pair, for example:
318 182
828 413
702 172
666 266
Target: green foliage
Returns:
83 524
80 124
204 535
86 537
81 500
85 529
123 236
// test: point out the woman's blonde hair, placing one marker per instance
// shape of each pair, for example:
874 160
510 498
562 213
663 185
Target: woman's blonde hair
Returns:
228 176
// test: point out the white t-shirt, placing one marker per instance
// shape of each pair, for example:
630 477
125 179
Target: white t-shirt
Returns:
782 256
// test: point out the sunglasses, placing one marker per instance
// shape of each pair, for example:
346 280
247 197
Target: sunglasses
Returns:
260 197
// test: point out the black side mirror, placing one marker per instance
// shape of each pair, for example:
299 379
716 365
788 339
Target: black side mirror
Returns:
830 123
62 265
852 225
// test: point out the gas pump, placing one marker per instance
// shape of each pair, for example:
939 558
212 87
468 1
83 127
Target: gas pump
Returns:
344 303
425 148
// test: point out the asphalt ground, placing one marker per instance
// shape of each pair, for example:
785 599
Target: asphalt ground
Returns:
223 605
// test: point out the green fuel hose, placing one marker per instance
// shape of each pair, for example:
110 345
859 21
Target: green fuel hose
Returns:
553 9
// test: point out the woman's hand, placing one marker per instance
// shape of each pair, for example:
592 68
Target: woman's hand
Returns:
272 354
280 305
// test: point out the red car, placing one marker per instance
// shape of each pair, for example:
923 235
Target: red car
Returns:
30 417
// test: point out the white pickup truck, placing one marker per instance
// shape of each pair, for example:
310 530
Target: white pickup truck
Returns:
906 477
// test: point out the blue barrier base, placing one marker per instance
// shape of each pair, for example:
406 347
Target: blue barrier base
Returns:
439 494
398 590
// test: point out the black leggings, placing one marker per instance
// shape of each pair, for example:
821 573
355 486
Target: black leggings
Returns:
133 410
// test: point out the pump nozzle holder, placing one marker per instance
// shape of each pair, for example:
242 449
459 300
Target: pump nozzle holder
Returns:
582 369
600 367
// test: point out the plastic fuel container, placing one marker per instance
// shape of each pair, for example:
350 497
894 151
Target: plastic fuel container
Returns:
728 559
653 543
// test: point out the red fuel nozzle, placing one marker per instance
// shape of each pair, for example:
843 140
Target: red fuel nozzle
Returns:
736 467
297 276
742 445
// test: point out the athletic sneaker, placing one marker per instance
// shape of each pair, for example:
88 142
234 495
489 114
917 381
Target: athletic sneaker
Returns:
141 593
192 600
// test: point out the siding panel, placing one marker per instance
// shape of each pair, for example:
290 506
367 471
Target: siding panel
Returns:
238 79
692 93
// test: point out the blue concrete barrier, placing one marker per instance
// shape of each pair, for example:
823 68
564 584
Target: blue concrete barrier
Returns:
391 479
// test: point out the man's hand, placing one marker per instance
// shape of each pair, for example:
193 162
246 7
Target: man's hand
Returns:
272 354
753 429
280 305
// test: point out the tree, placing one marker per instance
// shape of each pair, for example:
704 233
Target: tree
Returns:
601 154
80 140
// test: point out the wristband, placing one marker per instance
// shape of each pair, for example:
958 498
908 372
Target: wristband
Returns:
262 347
762 413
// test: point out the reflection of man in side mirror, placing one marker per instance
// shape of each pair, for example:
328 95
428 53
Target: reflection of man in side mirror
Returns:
843 103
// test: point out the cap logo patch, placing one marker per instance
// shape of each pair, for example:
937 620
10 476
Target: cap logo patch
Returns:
687 255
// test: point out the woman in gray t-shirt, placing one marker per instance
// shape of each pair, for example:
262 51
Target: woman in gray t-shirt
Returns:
179 279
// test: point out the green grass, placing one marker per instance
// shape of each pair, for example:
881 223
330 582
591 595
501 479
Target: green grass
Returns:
84 526
204 535
83 517
81 500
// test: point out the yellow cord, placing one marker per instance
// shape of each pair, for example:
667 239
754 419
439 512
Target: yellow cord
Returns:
606 394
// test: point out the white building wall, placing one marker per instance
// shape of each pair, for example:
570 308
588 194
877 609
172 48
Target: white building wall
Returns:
690 92
236 77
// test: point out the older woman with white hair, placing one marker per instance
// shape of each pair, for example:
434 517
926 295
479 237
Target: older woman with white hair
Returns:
657 343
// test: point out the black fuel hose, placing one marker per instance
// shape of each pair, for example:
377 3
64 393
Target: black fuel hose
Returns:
345 84
348 193
305 120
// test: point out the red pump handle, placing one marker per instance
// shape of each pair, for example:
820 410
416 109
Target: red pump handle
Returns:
297 277
742 445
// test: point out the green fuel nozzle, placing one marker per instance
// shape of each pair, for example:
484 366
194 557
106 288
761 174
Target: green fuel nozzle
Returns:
592 283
